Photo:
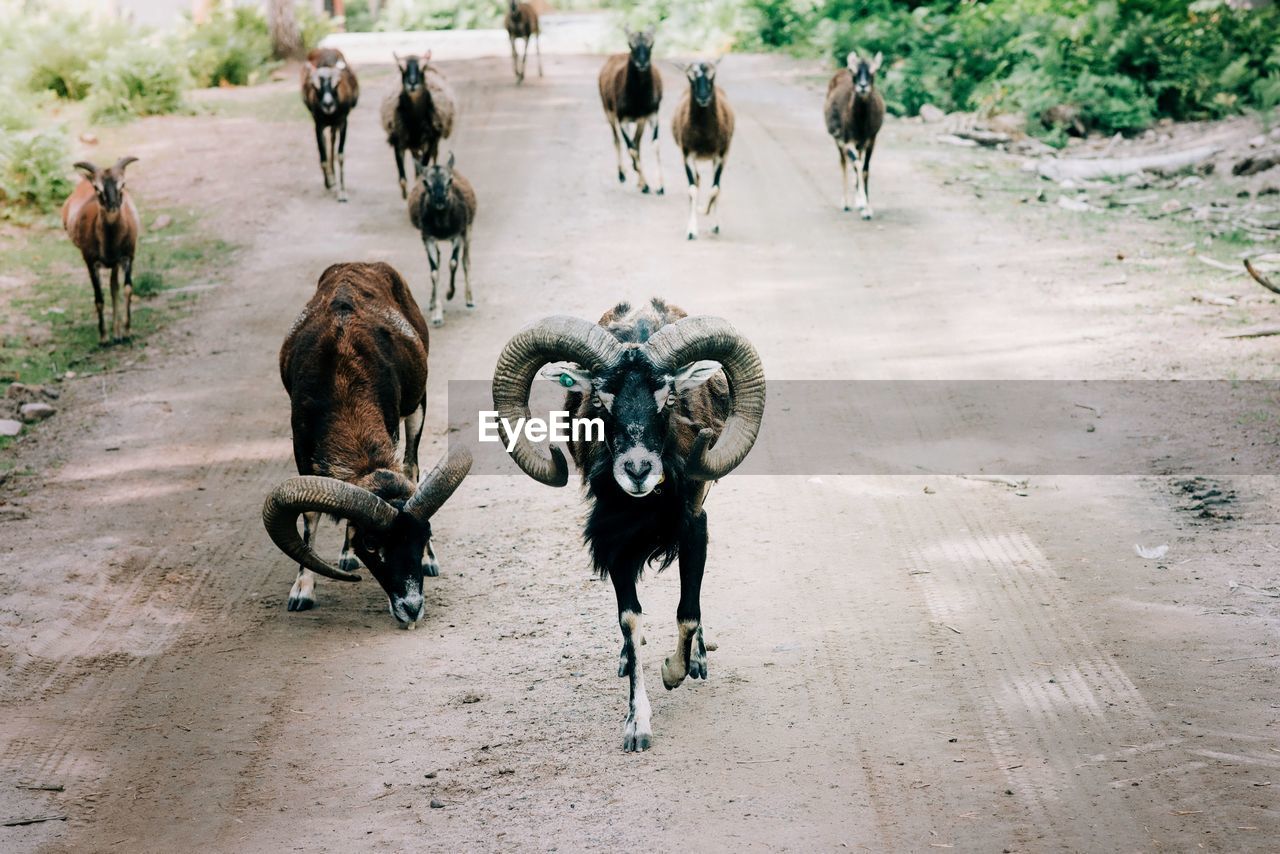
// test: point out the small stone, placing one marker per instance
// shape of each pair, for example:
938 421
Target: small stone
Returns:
437 804
9 427
36 411
930 114
929 490
69 375
89 138
1189 181
430 775
161 222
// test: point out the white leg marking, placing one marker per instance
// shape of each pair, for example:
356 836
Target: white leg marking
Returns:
637 732
437 307
657 156
676 665
691 164
430 566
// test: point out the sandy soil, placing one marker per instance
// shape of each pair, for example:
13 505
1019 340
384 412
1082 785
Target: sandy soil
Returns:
898 668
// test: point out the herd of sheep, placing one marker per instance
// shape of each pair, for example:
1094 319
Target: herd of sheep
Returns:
681 398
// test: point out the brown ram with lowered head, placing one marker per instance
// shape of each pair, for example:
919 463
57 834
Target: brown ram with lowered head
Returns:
355 367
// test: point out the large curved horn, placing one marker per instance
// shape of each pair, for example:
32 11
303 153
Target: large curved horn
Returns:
123 162
554 339
87 168
435 490
299 495
692 339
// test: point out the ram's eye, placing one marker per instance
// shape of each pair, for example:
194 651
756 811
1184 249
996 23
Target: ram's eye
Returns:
567 380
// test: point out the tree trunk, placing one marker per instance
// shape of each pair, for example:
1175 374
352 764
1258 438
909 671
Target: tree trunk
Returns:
286 38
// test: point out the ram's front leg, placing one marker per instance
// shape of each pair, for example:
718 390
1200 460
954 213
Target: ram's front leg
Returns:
690 657
433 258
637 733
303 595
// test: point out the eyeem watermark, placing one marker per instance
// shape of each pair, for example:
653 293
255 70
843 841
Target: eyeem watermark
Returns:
561 427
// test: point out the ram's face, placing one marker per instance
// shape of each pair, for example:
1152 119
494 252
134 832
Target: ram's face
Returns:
394 557
323 81
411 75
702 82
635 401
641 46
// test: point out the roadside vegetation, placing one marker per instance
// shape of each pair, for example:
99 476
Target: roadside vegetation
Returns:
1068 66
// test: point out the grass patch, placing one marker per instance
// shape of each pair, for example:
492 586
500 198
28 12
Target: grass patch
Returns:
51 326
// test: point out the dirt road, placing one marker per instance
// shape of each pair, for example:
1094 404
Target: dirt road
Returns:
898 669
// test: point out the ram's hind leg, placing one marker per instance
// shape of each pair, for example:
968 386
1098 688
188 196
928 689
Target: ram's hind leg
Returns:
866 179
690 657
303 595
341 132
637 732
844 178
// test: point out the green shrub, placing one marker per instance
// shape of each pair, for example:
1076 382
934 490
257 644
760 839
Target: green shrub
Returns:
1117 64
61 47
233 47
360 18
313 25
33 169
441 14
136 80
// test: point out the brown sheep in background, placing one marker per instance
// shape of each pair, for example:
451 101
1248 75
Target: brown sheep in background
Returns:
522 23
631 91
103 223
419 115
443 207
703 128
854 111
330 91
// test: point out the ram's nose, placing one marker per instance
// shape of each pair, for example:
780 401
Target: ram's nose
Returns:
638 470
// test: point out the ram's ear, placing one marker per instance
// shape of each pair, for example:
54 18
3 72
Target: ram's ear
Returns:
693 375
569 376
851 61
426 57
875 62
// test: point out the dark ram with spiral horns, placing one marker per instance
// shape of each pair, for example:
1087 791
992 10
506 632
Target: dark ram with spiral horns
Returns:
681 400
355 368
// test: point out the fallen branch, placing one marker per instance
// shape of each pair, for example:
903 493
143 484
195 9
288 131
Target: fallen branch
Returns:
1257 163
1257 333
39 787
1259 278
985 137
1216 264
1114 167
35 819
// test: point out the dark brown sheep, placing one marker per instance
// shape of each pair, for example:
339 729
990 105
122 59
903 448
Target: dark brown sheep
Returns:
443 207
418 115
330 91
522 23
631 91
103 223
854 111
703 128
355 367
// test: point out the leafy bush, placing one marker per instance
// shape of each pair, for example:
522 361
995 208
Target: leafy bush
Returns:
33 168
312 25
360 18
136 80
61 47
441 14
1117 64
232 47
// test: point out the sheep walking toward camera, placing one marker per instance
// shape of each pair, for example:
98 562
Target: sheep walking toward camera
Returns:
854 111
417 116
522 23
703 128
103 223
443 207
330 91
631 91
